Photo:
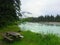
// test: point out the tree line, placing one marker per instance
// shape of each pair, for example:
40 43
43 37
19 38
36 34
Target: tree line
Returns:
46 18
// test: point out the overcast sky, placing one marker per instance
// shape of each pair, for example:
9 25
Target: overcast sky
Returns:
41 7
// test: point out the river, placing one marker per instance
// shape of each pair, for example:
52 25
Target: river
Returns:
41 27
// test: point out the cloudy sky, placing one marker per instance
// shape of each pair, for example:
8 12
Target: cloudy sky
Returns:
40 7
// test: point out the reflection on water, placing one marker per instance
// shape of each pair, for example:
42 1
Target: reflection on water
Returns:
41 27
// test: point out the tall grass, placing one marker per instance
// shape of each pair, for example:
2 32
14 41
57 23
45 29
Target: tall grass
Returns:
31 38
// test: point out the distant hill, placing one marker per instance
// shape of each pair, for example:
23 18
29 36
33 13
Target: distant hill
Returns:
25 12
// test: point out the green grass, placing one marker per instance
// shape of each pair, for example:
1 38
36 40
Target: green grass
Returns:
30 38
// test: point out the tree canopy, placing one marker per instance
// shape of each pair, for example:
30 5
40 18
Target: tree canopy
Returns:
9 11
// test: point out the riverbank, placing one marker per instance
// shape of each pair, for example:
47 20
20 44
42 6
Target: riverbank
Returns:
50 23
30 38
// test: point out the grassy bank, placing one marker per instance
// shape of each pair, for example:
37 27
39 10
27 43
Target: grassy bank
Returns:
30 38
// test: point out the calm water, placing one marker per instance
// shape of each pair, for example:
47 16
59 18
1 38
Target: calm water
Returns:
41 27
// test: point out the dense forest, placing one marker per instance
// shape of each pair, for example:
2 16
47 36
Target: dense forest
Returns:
46 18
9 11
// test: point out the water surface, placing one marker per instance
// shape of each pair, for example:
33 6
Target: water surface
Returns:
41 27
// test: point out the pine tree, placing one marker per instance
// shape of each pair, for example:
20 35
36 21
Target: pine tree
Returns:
9 11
